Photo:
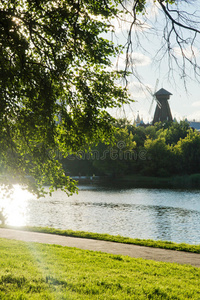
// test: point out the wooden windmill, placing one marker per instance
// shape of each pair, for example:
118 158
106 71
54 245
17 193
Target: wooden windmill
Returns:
162 112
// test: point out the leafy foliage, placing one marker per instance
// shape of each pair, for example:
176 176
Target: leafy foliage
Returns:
112 159
53 61
163 150
189 151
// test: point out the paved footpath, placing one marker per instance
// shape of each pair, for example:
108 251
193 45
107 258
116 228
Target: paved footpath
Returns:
103 246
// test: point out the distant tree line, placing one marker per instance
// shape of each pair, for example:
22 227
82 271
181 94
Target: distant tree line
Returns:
165 149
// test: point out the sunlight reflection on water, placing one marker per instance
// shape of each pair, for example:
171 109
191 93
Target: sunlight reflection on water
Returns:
15 207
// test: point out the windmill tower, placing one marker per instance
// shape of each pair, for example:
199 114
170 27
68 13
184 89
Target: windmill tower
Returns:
162 112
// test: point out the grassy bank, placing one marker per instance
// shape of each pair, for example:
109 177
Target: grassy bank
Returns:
39 271
177 182
112 238
140 181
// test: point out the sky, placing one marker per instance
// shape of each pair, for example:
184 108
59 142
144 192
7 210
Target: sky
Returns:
150 67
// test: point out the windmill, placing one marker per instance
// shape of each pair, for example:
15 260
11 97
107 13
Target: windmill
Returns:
162 112
154 96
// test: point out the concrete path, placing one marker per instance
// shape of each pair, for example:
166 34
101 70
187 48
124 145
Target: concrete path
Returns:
103 246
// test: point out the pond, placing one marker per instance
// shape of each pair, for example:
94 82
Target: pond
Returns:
159 214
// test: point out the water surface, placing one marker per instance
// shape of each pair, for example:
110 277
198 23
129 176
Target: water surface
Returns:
159 214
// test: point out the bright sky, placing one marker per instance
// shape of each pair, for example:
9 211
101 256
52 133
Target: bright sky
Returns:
184 104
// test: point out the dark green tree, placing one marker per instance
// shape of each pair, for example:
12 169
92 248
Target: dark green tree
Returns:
52 66
174 131
115 159
188 151
160 158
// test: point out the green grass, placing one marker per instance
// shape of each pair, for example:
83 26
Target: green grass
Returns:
112 238
176 182
39 271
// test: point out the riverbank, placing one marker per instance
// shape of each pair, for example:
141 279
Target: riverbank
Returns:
174 182
40 271
138 181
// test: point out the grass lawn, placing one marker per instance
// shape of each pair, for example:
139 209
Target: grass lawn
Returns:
39 271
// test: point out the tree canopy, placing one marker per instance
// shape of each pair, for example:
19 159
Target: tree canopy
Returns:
163 150
55 85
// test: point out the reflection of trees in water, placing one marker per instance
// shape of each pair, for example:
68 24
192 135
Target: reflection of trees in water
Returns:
161 210
172 221
163 222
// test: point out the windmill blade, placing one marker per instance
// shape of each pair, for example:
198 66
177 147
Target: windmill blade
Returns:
154 97
150 109
158 103
156 85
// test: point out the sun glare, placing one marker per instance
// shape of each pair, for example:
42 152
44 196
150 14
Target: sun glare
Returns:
15 207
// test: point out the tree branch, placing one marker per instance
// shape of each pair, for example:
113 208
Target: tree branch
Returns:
166 11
